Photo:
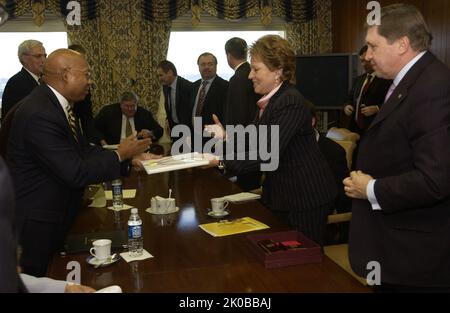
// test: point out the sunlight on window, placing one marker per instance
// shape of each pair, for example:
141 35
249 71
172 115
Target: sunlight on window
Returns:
10 64
185 47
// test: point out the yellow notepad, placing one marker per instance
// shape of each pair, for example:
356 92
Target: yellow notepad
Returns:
127 194
232 227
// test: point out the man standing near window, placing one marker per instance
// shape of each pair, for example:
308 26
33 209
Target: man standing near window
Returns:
177 94
32 56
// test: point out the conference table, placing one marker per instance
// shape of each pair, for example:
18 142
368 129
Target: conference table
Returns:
186 258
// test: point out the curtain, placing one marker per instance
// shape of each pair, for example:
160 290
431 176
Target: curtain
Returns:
126 39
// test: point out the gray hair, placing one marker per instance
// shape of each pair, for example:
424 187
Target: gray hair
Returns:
129 96
26 46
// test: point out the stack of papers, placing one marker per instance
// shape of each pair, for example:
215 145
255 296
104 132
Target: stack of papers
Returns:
173 163
232 227
242 197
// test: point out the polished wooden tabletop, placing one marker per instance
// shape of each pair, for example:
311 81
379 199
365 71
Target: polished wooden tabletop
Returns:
187 259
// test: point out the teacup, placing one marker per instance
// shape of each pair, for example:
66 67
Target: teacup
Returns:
101 249
218 205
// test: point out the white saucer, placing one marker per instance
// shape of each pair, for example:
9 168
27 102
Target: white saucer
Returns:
153 211
216 215
94 261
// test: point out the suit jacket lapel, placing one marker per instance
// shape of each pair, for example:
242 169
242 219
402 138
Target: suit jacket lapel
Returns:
401 91
62 116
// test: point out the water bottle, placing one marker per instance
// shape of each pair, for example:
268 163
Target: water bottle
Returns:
135 238
117 194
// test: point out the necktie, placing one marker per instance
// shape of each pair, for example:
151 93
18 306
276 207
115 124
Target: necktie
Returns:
128 130
169 99
201 99
360 118
390 91
72 122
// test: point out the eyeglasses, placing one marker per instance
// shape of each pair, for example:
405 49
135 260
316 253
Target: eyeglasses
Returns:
37 56
87 74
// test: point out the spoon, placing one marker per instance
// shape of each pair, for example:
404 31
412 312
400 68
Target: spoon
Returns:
109 259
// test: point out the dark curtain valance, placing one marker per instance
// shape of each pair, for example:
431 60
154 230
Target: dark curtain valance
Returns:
295 11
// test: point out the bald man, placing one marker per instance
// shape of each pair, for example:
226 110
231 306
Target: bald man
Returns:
51 162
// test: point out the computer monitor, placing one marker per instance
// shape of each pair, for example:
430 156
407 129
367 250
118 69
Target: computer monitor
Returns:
326 79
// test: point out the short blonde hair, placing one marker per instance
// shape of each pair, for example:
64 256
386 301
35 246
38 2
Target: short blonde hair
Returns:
276 53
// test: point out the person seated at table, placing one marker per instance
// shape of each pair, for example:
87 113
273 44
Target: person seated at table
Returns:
119 120
301 189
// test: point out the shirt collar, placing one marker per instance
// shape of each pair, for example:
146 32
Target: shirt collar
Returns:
239 65
406 68
62 101
173 85
36 78
209 80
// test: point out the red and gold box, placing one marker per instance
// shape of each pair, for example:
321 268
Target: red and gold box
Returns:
284 249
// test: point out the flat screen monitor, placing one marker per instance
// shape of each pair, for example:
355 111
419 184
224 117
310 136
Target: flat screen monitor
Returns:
326 79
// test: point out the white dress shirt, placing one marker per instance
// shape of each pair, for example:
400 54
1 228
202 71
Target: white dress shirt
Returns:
370 190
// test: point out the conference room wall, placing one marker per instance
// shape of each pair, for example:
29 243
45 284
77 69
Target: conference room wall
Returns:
348 17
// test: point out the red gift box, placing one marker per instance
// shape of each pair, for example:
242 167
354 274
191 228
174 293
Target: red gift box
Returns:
308 252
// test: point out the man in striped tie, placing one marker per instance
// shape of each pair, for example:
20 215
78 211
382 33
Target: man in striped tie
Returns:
51 162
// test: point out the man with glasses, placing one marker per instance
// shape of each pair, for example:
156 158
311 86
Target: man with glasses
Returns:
32 56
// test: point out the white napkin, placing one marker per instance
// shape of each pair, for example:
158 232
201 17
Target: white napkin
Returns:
241 197
124 207
127 194
145 255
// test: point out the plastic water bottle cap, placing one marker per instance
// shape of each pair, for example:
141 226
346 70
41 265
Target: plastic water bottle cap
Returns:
134 210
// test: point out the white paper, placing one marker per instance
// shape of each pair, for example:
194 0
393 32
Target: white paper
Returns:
242 197
145 255
173 163
124 207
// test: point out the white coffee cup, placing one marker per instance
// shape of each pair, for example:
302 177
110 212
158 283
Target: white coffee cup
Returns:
101 249
218 205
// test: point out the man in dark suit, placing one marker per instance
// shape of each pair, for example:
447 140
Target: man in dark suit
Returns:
336 159
209 94
9 279
241 106
32 57
177 95
401 218
366 96
83 110
51 162
117 121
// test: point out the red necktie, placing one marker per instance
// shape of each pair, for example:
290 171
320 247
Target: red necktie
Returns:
201 99
360 118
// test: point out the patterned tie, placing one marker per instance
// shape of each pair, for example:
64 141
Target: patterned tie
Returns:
128 130
72 122
360 118
201 99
